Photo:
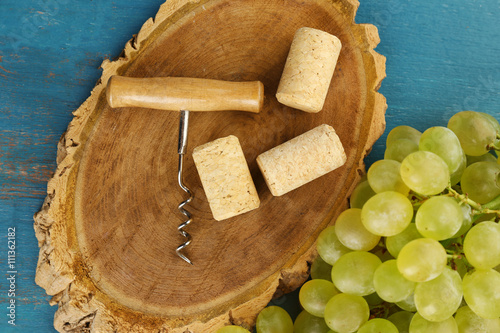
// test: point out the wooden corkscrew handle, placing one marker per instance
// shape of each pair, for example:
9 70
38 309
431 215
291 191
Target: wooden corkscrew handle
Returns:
183 93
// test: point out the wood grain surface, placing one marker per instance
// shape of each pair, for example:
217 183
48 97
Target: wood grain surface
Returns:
107 230
442 58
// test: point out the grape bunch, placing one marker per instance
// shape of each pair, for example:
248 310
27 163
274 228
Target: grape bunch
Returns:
419 248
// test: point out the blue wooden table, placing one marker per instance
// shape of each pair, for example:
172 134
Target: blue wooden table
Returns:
442 57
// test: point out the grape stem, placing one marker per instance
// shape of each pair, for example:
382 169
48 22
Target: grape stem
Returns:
493 146
491 207
417 199
380 310
454 255
463 198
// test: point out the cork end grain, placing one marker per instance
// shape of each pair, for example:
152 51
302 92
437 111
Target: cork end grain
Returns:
309 70
301 159
226 178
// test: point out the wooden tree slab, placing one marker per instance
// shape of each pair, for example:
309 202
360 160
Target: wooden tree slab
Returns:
107 230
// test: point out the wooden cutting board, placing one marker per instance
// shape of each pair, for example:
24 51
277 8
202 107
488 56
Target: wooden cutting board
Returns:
108 229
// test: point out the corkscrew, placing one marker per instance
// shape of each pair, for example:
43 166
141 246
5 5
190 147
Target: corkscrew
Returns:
184 93
183 138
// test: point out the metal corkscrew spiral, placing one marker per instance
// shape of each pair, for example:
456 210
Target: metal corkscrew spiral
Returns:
181 93
183 137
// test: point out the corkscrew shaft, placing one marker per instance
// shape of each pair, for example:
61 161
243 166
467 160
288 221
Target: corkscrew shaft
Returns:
182 147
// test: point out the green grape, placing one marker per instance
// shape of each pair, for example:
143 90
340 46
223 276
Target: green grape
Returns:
395 243
399 149
353 273
419 324
469 322
314 295
422 260
457 175
444 143
482 158
425 172
329 247
307 323
482 245
439 218
408 304
492 120
475 132
401 320
384 175
390 285
439 298
232 329
481 181
320 269
403 132
274 319
346 313
467 220
482 292
378 325
352 233
361 194
387 213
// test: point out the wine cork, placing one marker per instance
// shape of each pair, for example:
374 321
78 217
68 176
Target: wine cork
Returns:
308 70
301 159
225 177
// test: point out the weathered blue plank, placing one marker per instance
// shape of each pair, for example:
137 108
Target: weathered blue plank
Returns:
442 57
50 52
